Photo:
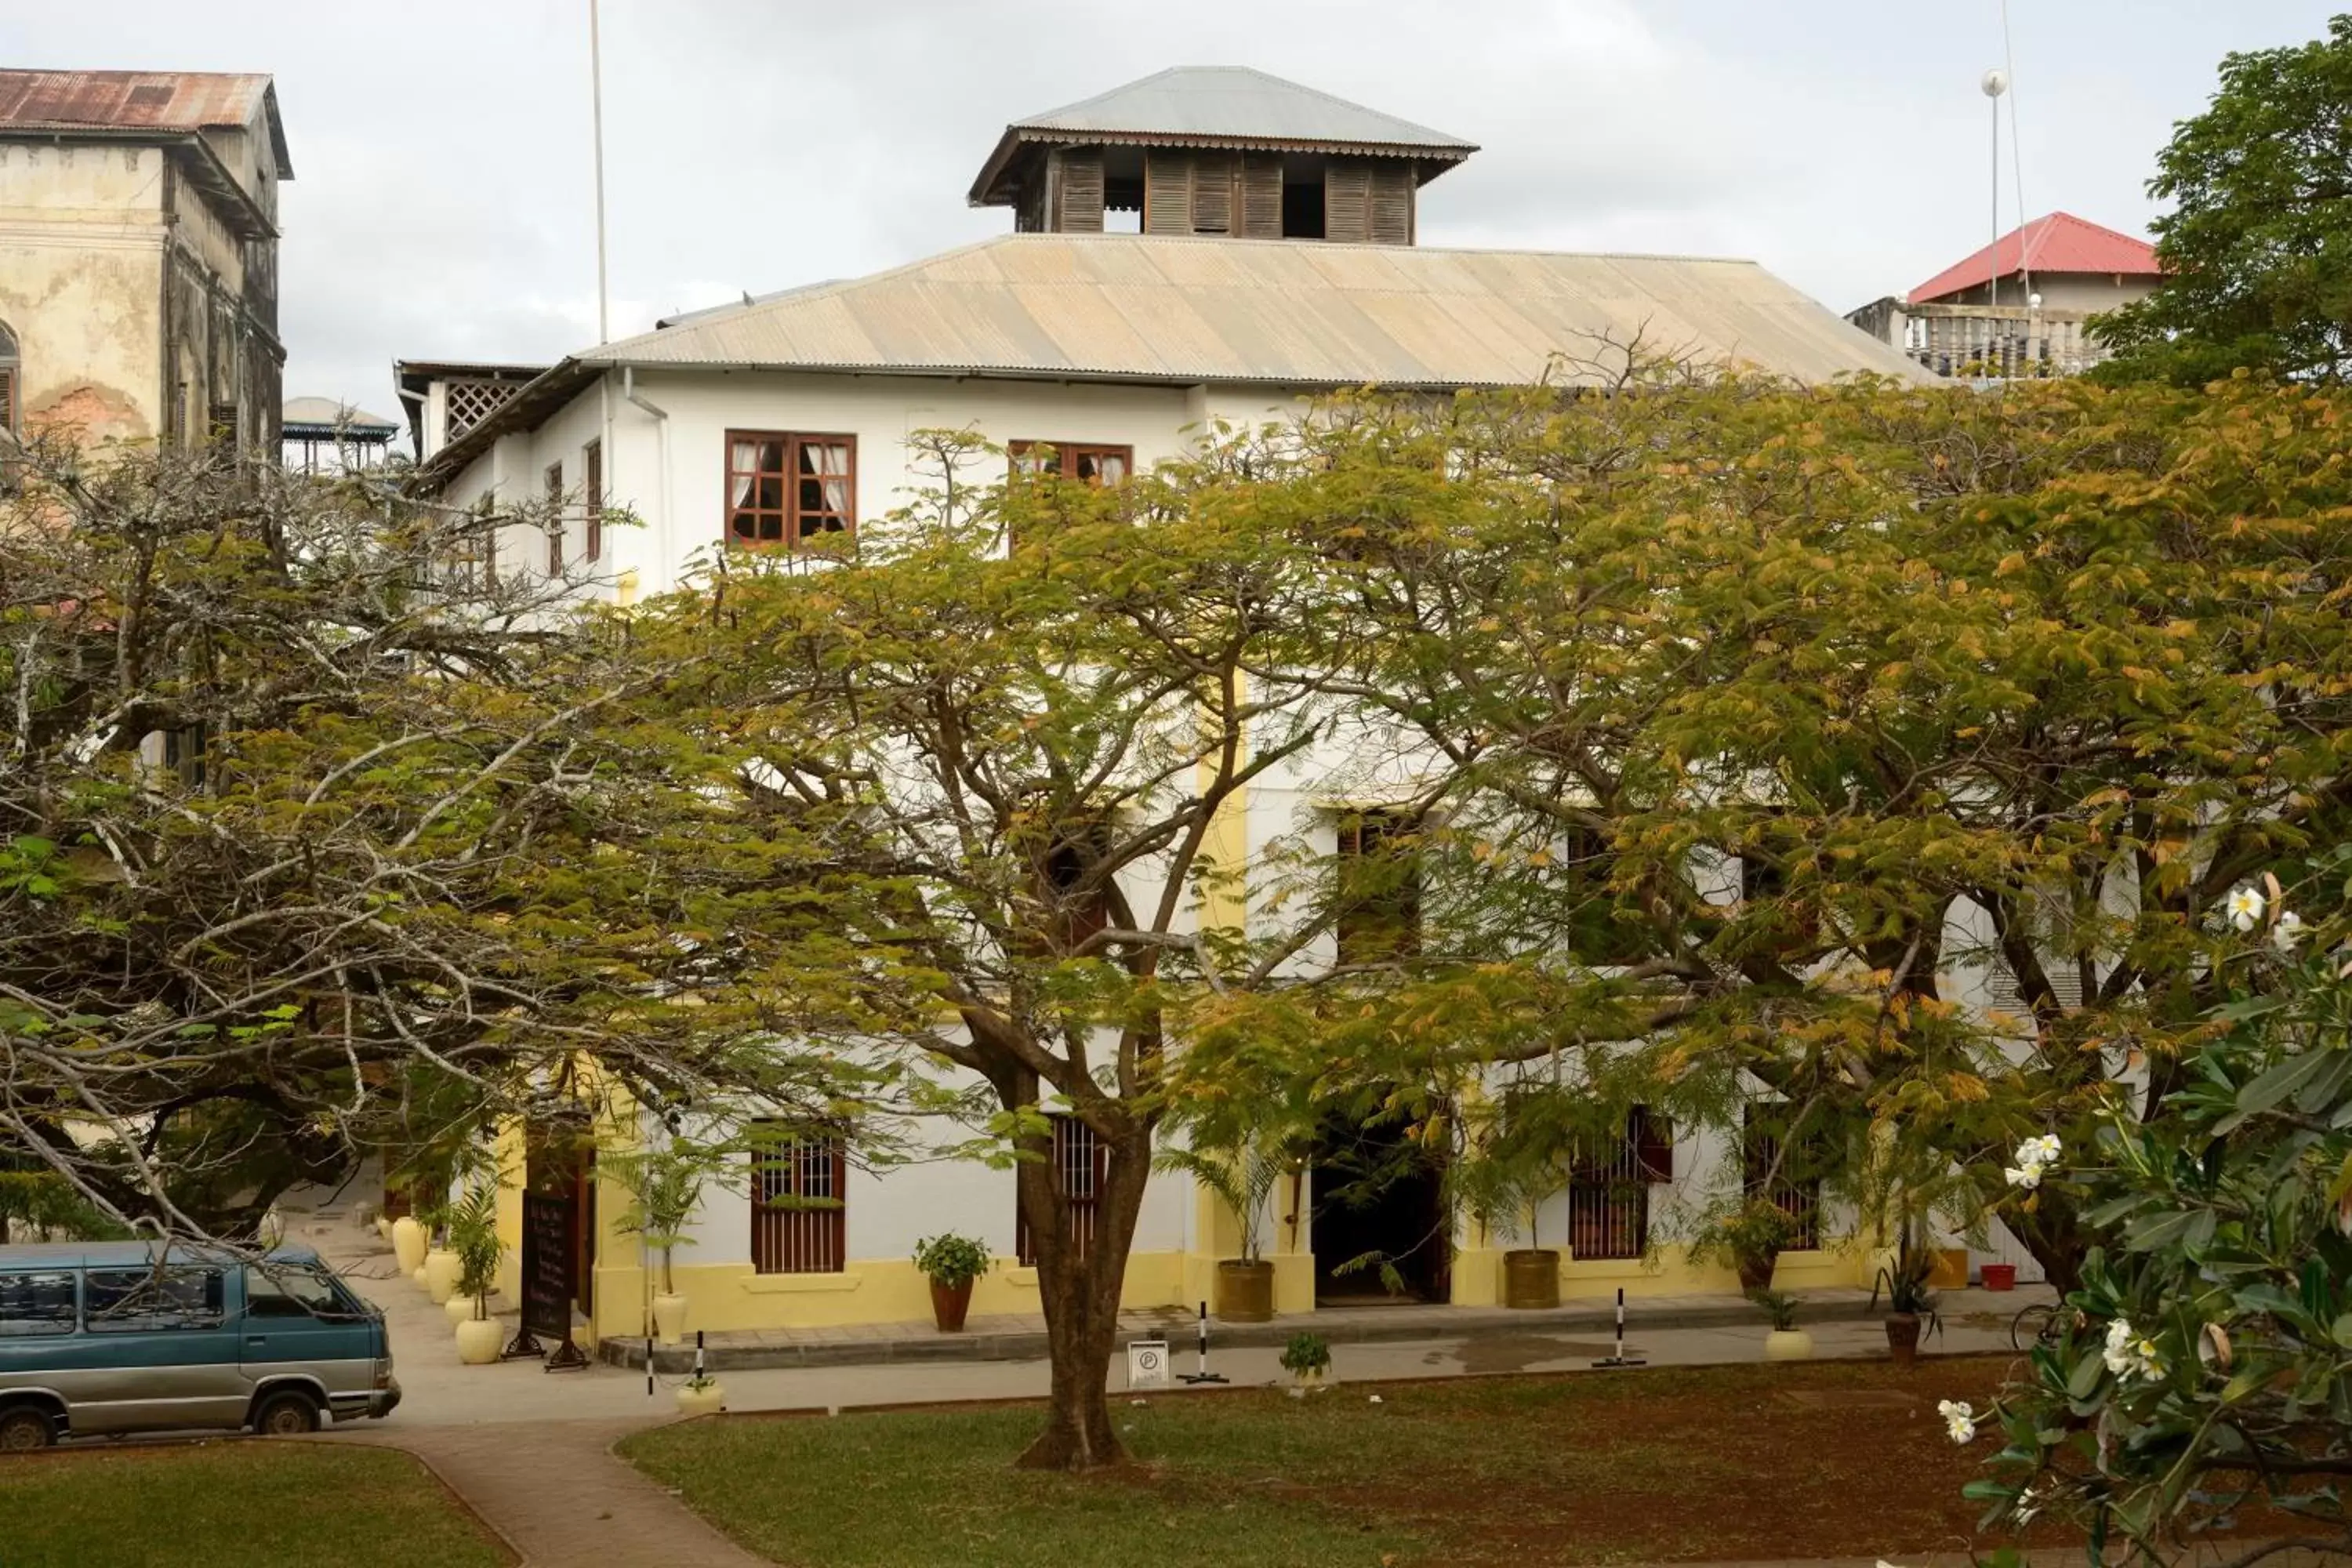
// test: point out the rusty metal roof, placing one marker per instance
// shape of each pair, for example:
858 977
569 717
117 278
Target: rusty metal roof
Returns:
150 100
1187 309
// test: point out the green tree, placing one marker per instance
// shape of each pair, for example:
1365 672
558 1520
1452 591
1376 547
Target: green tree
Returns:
2257 248
2199 1371
316 831
1754 725
998 778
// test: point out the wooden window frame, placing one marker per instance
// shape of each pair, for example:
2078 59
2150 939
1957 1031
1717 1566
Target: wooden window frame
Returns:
1801 1199
1402 935
800 1240
592 482
1609 1189
791 515
552 483
1077 1147
1067 455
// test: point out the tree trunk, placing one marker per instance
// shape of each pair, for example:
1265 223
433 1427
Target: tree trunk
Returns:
1080 1294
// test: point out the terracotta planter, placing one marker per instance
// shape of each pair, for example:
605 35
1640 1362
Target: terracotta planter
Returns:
408 1243
1531 1278
692 1401
1902 1337
1999 1275
948 1305
1788 1344
1756 1273
1245 1291
478 1339
669 1316
441 1271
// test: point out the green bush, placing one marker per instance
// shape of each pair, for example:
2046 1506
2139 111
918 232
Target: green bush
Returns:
1305 1353
950 1260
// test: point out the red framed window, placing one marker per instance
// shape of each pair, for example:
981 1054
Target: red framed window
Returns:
789 492
592 482
800 1187
555 520
1609 1188
1078 1158
1090 465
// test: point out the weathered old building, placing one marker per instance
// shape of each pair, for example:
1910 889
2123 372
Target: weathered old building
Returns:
139 256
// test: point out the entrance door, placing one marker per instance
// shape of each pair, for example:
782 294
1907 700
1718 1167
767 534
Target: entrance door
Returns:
1375 1193
569 1175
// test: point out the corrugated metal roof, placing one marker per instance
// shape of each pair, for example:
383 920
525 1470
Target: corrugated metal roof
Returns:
1238 102
2061 242
327 411
1164 308
1220 106
151 100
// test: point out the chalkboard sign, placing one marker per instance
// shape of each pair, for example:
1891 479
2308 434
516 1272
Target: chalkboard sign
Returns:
548 1248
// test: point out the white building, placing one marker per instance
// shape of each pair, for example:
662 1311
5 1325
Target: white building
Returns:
1277 261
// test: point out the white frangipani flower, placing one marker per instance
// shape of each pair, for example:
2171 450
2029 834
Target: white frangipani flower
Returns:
2034 1157
2286 931
1959 1419
2245 908
2026 1177
2130 1354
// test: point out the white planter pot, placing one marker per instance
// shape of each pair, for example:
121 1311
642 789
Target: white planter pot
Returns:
670 1318
418 1275
459 1306
1788 1344
708 1401
441 1271
479 1341
383 1227
408 1244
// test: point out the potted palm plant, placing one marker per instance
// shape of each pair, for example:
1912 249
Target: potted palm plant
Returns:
474 1238
1244 1178
1786 1342
665 1187
1910 1303
951 1263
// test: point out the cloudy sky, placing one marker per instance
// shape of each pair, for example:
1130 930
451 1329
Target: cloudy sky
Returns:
443 201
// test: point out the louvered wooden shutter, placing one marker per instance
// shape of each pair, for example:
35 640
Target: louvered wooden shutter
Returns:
1392 203
1261 196
1081 190
1213 192
1653 1145
1167 193
1347 201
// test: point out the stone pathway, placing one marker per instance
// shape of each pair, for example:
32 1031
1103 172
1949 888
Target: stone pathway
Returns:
558 1496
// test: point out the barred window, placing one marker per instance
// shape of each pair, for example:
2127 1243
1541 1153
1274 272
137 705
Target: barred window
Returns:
1078 1158
799 1210
1609 1188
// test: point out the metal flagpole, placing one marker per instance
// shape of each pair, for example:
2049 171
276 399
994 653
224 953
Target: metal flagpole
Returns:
1996 82
596 109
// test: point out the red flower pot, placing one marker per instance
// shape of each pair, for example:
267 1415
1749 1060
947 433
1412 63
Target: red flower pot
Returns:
1998 1276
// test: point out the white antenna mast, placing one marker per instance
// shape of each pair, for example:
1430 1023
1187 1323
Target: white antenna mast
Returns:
1995 83
596 109
2016 153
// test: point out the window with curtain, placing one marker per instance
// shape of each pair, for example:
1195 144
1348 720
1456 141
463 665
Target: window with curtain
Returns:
555 520
789 492
1072 460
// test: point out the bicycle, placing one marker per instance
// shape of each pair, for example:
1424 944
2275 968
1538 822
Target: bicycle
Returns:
2037 1325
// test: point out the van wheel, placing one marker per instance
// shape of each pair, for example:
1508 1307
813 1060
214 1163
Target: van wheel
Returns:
289 1413
24 1429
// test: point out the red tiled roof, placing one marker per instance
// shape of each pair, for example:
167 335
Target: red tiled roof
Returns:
177 101
2058 243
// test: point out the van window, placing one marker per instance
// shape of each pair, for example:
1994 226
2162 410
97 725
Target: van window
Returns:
144 1300
292 1293
36 1304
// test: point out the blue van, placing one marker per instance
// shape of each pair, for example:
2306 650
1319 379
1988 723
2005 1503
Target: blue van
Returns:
119 1337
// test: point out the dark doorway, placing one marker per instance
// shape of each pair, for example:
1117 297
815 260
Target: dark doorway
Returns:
566 1169
1302 209
1374 1192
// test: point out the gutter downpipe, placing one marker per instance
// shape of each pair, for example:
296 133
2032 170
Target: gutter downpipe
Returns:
629 394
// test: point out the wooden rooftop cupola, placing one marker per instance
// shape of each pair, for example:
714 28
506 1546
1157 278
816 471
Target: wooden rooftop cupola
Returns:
1220 150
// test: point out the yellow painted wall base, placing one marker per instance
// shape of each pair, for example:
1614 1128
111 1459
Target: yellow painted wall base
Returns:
1294 1281
1668 1271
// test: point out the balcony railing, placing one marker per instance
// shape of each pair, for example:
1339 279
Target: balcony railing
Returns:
1984 342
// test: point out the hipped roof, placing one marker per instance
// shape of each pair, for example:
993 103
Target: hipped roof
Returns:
2059 242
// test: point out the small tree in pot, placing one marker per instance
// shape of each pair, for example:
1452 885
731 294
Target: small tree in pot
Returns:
1502 1174
1242 1176
474 1238
665 1186
951 1262
1910 1304
1307 1358
1786 1342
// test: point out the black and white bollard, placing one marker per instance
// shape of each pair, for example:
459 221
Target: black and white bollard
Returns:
1621 1358
1205 1375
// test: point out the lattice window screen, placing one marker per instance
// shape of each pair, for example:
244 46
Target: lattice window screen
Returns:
471 401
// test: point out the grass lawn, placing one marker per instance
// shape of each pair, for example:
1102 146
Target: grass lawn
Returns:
253 1503
1823 1460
